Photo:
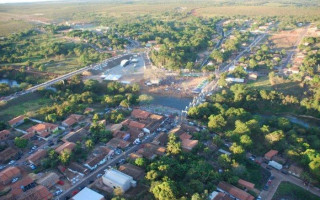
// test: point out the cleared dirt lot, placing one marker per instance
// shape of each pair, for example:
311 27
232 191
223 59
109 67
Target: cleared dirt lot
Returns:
286 39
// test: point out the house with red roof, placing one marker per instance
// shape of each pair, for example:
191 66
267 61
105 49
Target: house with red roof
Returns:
36 157
16 121
270 154
4 134
8 174
38 193
72 119
140 114
43 129
69 146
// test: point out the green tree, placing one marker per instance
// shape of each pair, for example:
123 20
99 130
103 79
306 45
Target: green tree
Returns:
140 162
173 146
164 190
236 149
65 156
216 122
89 144
152 175
20 142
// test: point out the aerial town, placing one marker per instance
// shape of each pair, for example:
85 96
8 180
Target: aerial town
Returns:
178 101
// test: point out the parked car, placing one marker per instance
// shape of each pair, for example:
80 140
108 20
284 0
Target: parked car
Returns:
266 188
99 175
15 180
11 162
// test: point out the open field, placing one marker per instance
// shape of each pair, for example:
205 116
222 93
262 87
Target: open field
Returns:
290 191
286 39
22 105
284 86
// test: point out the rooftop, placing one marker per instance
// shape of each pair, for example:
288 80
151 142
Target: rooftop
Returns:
42 127
234 191
16 120
135 124
86 194
246 184
270 154
37 155
141 114
38 193
64 146
117 176
9 173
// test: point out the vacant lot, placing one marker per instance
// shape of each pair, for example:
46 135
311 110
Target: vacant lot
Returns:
287 39
290 191
27 104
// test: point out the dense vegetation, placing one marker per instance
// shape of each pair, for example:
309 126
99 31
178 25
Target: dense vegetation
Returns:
242 115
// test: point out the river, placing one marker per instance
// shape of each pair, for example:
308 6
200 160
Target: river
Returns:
11 83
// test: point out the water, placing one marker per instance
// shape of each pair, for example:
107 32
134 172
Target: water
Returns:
297 120
11 83
169 101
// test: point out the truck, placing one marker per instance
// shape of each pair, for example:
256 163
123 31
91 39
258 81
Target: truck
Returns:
275 165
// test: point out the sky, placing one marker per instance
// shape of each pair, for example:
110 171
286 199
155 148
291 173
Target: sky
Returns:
21 1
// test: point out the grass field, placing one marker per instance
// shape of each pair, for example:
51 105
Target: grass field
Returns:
284 86
25 104
290 191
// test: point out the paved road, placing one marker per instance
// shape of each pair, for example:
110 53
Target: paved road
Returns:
63 77
280 177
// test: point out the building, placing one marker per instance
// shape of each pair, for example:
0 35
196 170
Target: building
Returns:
135 172
75 136
27 136
86 194
77 169
16 121
234 192
269 155
4 134
21 186
117 143
235 80
253 76
116 179
38 193
140 114
295 170
94 162
8 154
188 145
65 146
219 196
36 157
43 129
245 184
8 174
49 180
72 119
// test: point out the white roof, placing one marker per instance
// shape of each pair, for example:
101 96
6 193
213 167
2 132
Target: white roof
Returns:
117 177
112 77
86 194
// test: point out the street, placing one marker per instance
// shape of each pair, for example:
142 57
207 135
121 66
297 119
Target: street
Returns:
279 177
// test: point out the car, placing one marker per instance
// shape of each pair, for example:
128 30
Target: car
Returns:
32 166
266 188
269 182
11 162
259 198
272 177
122 161
2 167
99 175
15 180
284 172
58 192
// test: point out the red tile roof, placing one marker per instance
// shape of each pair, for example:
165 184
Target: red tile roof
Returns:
185 136
38 193
234 191
69 121
35 157
135 124
16 120
9 173
28 135
16 187
42 127
4 133
270 154
189 144
246 184
67 145
141 114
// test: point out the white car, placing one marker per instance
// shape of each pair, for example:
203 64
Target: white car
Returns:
11 162
15 180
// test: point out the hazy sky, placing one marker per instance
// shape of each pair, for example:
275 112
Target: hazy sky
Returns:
20 1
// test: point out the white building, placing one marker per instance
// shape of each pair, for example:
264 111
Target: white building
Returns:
86 194
116 179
